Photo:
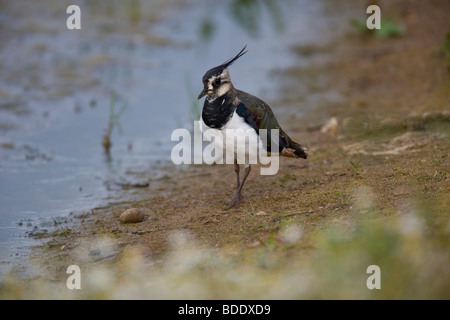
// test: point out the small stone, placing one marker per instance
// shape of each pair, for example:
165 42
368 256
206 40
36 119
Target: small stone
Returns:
261 213
253 244
330 126
132 215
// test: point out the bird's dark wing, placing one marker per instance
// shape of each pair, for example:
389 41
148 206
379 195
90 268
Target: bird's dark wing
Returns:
256 112
259 115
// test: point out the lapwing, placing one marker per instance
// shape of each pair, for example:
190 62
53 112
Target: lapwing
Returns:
226 107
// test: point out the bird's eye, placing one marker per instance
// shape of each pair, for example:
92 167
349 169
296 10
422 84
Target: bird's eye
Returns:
217 81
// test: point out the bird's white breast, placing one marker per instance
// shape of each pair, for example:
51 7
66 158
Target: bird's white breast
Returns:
245 137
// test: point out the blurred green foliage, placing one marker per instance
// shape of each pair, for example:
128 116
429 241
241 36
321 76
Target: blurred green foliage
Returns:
389 28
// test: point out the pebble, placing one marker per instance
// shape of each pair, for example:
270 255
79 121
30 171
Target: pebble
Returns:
132 215
330 126
262 213
253 244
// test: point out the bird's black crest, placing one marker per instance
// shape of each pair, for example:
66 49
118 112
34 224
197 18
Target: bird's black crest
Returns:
218 70
230 61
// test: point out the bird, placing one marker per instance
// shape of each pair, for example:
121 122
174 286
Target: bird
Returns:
226 107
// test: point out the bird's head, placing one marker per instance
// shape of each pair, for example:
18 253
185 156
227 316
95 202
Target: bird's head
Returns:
217 81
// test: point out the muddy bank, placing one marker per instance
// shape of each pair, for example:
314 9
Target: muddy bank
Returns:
373 191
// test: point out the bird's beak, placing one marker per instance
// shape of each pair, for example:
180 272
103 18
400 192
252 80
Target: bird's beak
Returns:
204 92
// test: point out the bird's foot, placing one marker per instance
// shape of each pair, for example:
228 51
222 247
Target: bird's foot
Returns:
236 200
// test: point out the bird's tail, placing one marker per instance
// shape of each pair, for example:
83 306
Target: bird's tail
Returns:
294 150
300 151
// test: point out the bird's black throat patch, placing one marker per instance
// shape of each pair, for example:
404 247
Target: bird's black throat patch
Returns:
218 112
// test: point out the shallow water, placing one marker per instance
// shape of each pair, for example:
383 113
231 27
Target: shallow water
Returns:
145 59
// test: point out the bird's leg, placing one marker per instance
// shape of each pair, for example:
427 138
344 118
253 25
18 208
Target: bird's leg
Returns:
236 169
238 196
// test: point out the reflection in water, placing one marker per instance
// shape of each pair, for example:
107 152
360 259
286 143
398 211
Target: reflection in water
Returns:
249 15
113 122
207 29
133 11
